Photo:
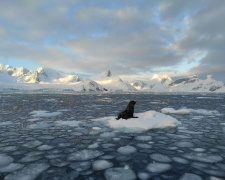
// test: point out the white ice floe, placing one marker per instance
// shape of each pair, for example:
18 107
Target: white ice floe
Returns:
5 160
184 144
144 175
84 155
180 160
6 123
40 125
101 165
93 146
158 167
80 166
144 146
189 176
160 157
189 111
202 157
45 114
11 167
107 135
147 120
143 138
30 172
45 147
67 123
32 144
119 174
126 150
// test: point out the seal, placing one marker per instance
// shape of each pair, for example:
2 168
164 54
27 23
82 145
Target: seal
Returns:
128 112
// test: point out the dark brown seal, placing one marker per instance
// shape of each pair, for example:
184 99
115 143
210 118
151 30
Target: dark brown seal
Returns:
128 112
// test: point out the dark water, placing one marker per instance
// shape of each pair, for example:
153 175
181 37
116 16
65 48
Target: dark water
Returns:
38 148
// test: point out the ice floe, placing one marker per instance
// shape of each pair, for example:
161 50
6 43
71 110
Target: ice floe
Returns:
202 157
160 157
84 155
68 123
158 167
101 165
126 150
45 113
120 174
6 123
189 111
5 160
11 167
189 176
147 120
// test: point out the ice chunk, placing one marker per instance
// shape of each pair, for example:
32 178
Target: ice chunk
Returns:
93 146
5 160
126 150
84 155
68 123
30 172
158 167
189 111
6 123
80 166
144 146
30 158
147 120
180 160
160 157
189 176
32 144
119 174
173 111
144 175
96 128
45 114
11 167
8 148
58 162
143 138
101 164
198 149
107 135
208 158
183 144
45 147
40 125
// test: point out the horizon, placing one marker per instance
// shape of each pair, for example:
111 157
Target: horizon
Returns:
130 38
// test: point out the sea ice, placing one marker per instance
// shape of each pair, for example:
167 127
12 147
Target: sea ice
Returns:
32 144
84 155
93 146
101 165
147 120
119 174
68 123
11 167
189 176
45 114
208 158
160 158
144 146
58 162
143 138
45 147
144 175
30 158
126 150
158 167
6 123
30 172
80 166
180 160
107 135
40 125
184 144
5 160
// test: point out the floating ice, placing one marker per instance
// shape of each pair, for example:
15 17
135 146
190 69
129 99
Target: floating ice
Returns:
68 123
126 150
208 158
119 174
5 160
189 176
146 120
183 144
180 160
93 146
101 165
144 175
58 162
30 172
40 125
160 157
158 167
96 128
189 111
45 114
45 147
107 135
144 146
6 123
198 150
11 167
30 158
8 148
32 144
143 138
80 166
84 155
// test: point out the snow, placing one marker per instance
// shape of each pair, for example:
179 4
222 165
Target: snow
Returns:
158 167
189 111
84 155
29 172
189 176
119 174
101 165
147 120
127 150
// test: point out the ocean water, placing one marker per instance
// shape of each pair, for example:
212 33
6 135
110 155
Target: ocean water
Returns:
53 136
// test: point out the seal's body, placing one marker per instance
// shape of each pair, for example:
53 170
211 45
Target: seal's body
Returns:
128 112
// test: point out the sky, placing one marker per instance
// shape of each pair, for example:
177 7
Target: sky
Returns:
129 37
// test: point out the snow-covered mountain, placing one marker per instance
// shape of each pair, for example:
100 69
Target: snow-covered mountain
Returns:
46 79
113 82
40 75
